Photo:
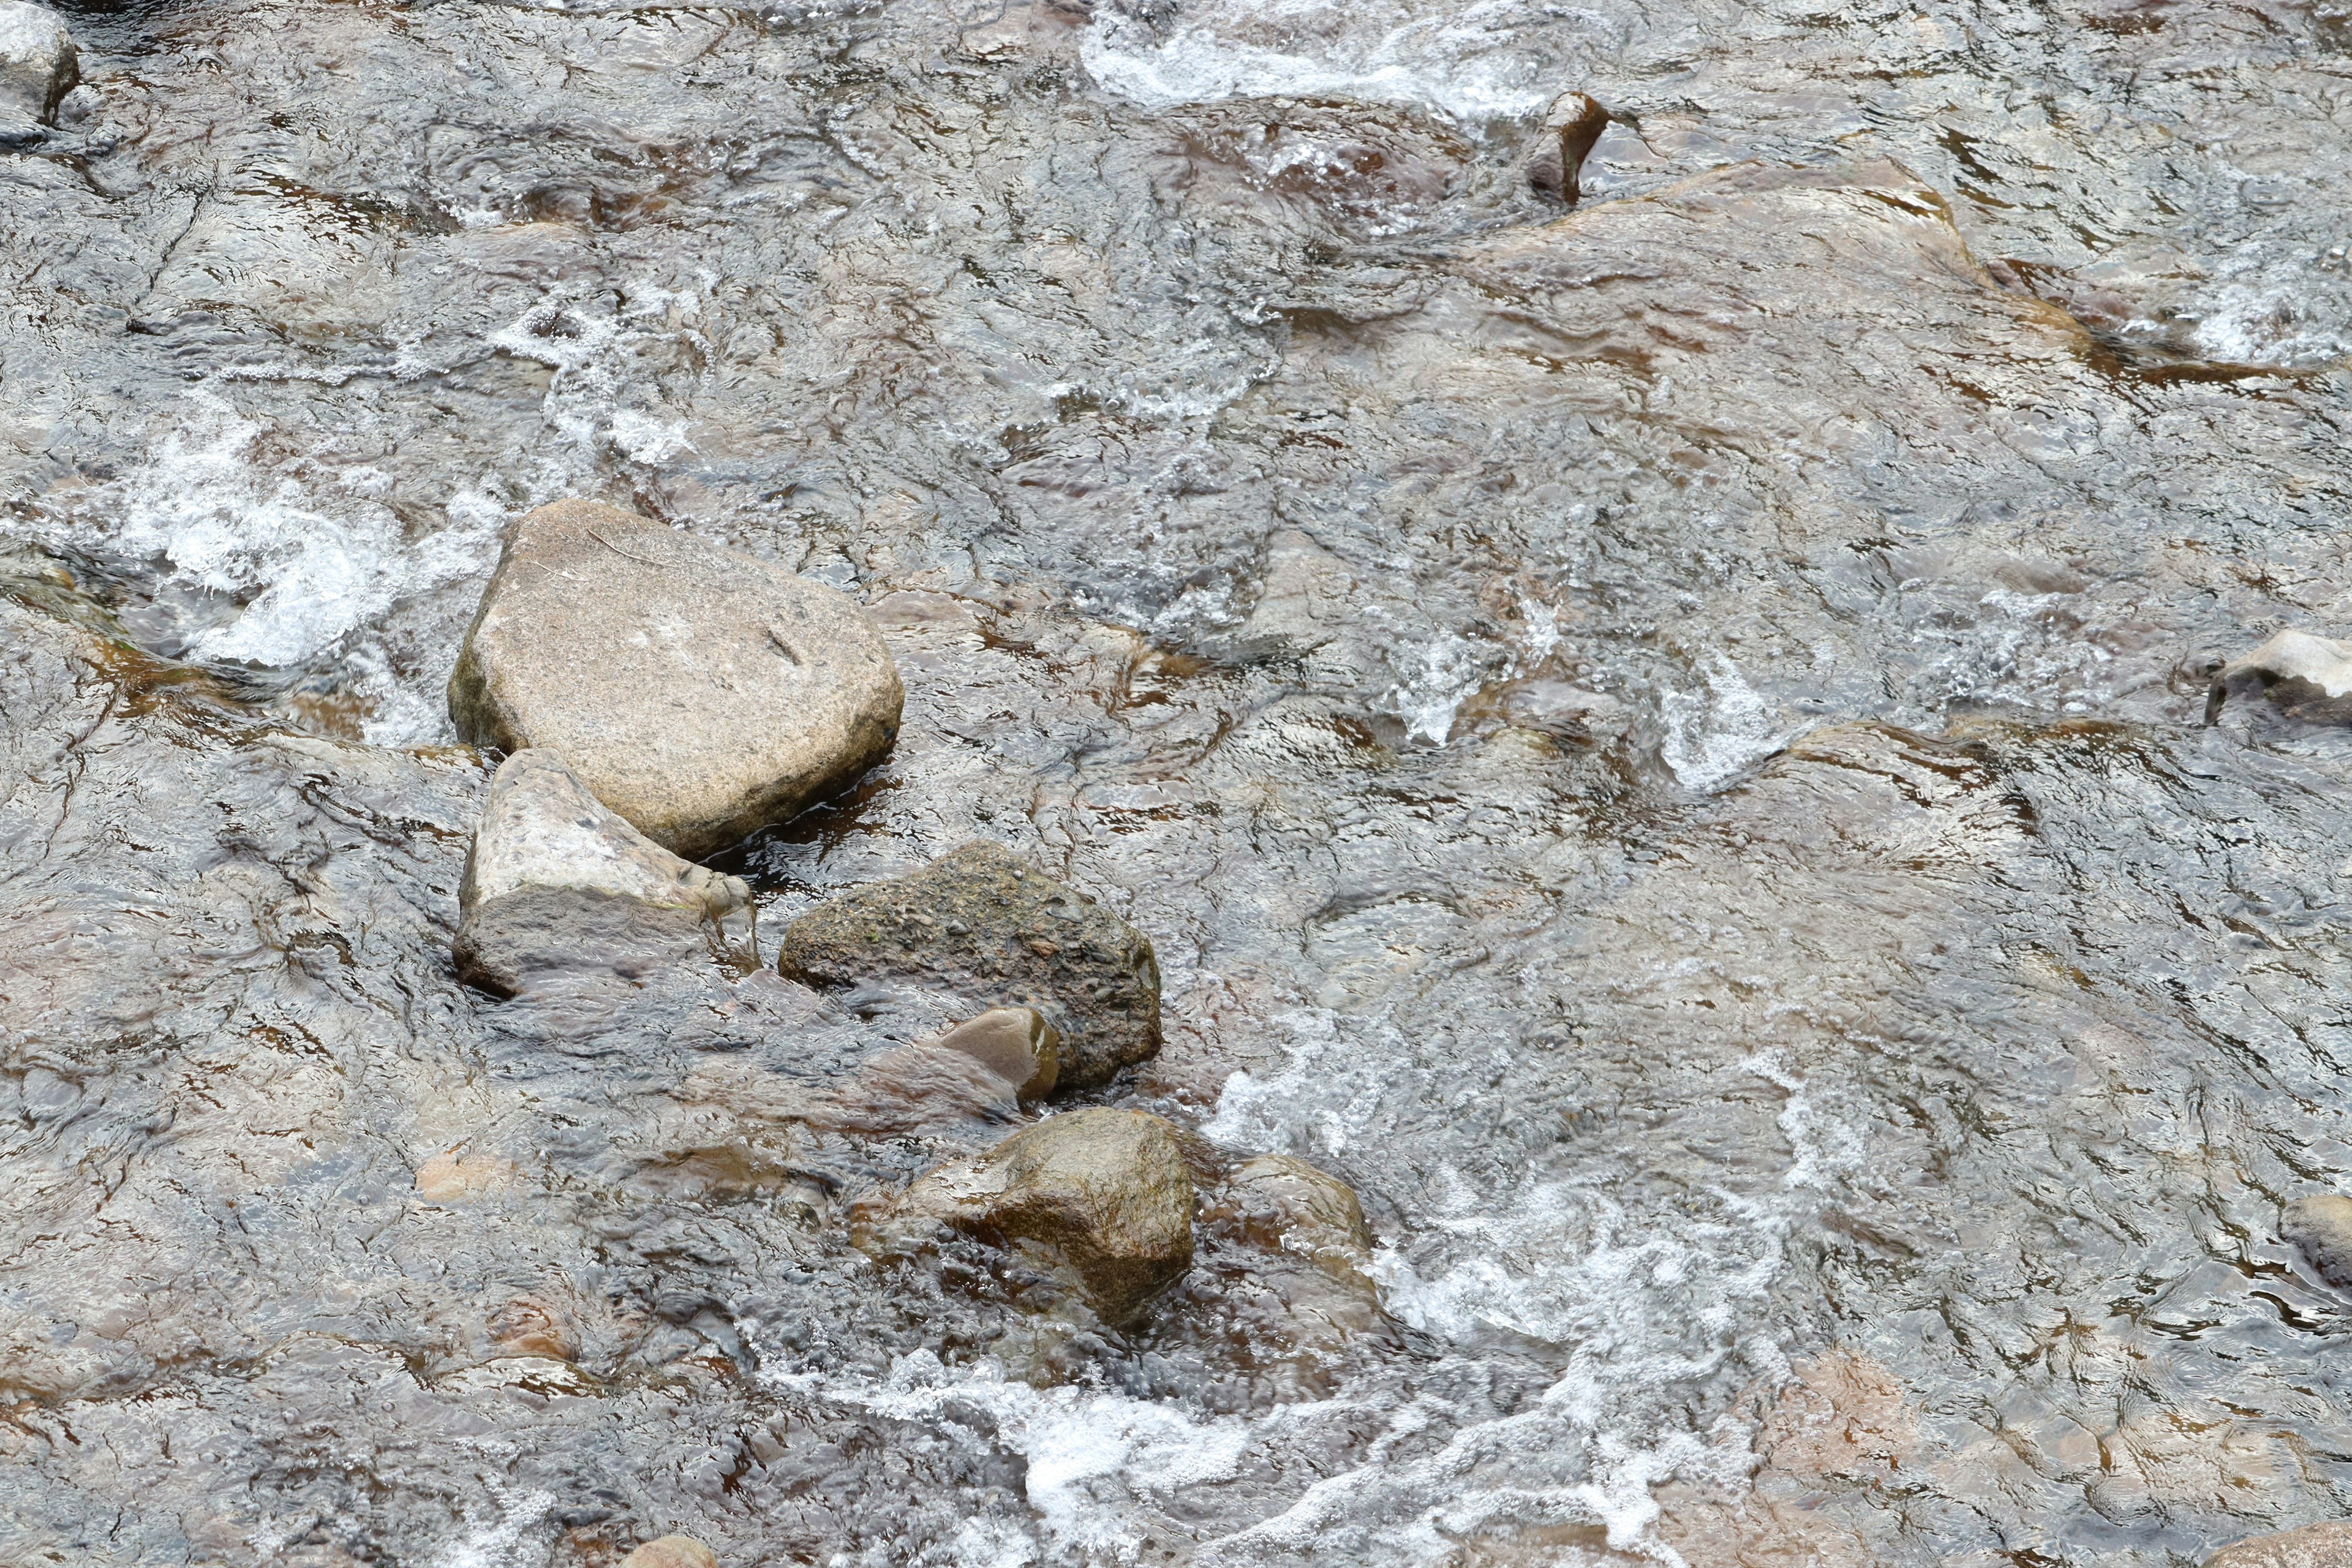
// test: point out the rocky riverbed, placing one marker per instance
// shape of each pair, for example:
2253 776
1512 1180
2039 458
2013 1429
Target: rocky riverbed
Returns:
1664 963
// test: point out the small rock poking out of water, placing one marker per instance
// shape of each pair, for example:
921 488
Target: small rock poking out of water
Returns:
2326 1545
1016 1044
1281 1202
672 1551
558 883
981 921
2322 1226
1570 127
38 65
1102 1193
2306 677
698 691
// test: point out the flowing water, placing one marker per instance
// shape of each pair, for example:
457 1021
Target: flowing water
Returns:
1659 742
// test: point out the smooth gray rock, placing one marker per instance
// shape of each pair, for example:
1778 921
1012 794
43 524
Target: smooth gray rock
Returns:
1016 1044
2304 677
2322 1225
557 883
38 65
699 692
1104 1192
2325 1545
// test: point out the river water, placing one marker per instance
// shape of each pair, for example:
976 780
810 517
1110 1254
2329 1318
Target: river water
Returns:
1660 742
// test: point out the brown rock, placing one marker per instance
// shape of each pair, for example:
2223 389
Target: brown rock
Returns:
1103 1192
1571 126
1016 1044
2326 1545
699 692
980 921
1281 1202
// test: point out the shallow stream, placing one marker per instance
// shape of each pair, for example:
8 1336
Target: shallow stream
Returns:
1659 741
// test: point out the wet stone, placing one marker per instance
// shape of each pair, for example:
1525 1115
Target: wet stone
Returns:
2324 1545
699 692
981 921
38 65
1016 1044
2304 677
557 883
2321 1225
1102 1191
1571 126
1279 1201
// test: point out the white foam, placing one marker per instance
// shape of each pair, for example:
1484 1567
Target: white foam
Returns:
1470 63
1712 738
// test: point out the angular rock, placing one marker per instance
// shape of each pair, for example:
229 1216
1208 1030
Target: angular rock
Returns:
1100 1191
980 921
557 883
1279 1201
700 692
2321 1225
672 1551
38 65
1016 1044
2322 1545
2306 677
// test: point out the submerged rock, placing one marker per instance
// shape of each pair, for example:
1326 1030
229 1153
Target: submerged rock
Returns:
2321 1225
698 691
2306 677
1570 127
1104 1192
1279 1201
38 65
558 882
672 1551
1016 1044
981 921
2324 1545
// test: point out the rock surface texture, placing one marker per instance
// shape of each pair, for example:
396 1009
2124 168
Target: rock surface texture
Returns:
38 65
2322 1225
672 1551
1016 1044
2306 677
1103 1192
557 882
981 921
2327 1545
698 691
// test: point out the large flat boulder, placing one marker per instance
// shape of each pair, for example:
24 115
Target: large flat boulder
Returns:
700 692
983 923
558 884
1101 1192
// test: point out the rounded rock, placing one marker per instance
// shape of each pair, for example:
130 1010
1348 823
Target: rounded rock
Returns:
2324 1545
700 692
38 65
2321 1225
1016 1044
672 1551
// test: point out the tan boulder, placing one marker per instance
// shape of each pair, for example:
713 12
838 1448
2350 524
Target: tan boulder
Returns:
672 1551
2324 1545
700 692
1104 1192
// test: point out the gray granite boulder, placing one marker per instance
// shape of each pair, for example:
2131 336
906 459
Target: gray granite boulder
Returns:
557 883
698 691
982 923
1103 1194
38 65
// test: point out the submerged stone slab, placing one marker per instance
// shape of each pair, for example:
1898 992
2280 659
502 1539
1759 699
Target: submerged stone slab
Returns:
698 691
38 65
1104 1192
981 921
2324 1545
2321 1225
559 883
